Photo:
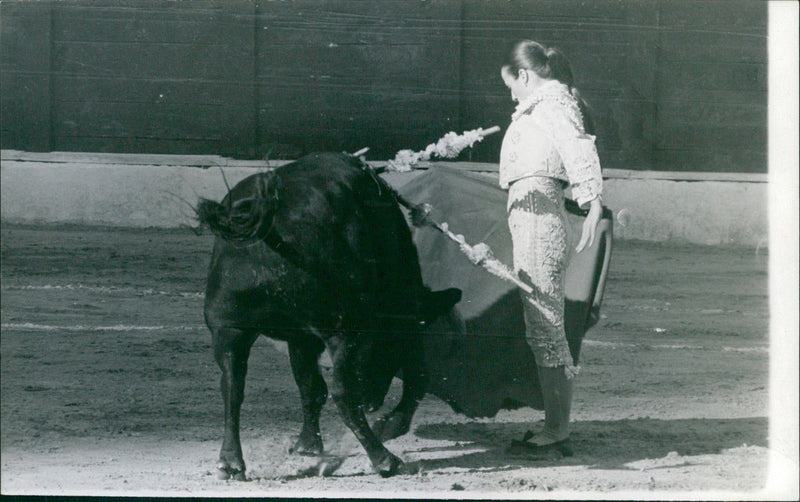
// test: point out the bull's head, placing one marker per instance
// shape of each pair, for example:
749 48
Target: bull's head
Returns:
241 219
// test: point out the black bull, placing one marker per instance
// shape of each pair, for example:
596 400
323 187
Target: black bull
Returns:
318 253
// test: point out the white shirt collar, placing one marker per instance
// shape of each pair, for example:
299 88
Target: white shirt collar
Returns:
549 88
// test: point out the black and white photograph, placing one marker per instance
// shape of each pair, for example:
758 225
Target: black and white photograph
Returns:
399 249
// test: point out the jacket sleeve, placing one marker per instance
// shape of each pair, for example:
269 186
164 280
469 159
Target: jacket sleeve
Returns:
577 150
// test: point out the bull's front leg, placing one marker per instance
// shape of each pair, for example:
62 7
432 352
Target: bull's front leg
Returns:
344 390
304 356
231 350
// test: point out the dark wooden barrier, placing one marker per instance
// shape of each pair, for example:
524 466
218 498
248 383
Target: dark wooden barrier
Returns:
674 85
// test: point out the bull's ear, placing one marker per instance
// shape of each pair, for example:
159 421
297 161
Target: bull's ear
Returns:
450 296
243 206
439 303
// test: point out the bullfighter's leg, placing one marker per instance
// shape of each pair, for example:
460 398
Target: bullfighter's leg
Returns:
398 422
231 350
304 355
344 385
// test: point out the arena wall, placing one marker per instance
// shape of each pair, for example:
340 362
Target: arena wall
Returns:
141 191
673 86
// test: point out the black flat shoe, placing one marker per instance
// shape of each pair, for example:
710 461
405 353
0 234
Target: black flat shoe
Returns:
561 448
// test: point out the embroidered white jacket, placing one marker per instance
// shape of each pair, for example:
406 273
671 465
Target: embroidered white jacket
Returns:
546 138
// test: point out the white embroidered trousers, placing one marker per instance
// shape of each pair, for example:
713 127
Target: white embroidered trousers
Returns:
541 245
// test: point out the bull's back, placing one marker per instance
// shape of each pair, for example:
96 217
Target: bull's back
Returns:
338 243
353 231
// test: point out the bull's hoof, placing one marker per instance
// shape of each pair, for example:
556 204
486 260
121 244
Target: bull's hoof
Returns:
309 444
225 475
391 426
328 465
388 466
307 448
227 469
407 469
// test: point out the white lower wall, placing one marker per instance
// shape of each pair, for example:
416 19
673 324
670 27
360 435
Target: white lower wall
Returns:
701 212
127 191
118 195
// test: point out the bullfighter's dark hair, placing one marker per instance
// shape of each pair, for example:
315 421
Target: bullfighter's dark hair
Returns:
548 63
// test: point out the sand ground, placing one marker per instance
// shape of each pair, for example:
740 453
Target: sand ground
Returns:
109 385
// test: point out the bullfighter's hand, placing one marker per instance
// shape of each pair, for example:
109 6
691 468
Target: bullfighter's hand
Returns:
590 224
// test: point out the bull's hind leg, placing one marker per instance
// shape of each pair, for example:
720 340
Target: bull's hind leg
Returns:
231 350
344 390
304 355
398 422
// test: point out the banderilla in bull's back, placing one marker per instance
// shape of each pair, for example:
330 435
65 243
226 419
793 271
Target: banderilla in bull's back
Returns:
449 146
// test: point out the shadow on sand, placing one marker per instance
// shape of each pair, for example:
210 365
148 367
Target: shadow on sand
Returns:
598 445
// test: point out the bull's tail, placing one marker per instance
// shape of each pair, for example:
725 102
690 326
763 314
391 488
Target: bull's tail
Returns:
237 220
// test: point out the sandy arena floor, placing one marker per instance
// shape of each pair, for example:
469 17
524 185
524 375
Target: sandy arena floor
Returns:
109 385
